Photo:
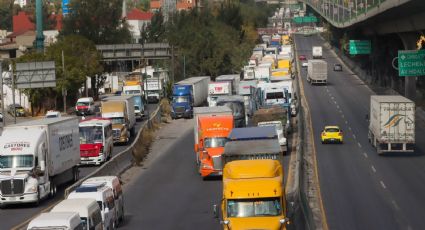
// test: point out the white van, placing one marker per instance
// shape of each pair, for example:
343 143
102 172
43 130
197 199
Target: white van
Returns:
84 106
87 208
56 220
104 197
114 183
96 140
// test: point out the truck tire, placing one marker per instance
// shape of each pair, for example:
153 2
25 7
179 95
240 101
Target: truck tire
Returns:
53 189
75 174
37 202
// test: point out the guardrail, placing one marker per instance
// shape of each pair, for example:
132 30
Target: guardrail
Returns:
123 160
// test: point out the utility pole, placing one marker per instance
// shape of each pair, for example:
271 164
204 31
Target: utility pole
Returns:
63 85
2 95
13 96
184 66
39 38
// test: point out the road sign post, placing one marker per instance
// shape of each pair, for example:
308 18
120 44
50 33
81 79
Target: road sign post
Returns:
411 63
360 47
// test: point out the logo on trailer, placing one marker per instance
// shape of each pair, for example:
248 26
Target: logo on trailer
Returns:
16 146
395 120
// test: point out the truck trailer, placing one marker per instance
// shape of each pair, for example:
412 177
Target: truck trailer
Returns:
38 156
187 94
392 124
317 71
216 89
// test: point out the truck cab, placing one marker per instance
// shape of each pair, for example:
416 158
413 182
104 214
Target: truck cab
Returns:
212 133
182 101
117 113
264 206
96 141
84 106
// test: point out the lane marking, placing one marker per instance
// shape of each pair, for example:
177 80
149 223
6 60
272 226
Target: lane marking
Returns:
346 122
360 145
349 128
373 169
337 106
365 155
382 184
354 136
395 205
343 116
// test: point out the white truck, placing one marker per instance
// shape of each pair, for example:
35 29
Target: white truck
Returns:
317 52
234 80
249 72
216 89
153 89
392 123
129 111
317 71
262 72
37 156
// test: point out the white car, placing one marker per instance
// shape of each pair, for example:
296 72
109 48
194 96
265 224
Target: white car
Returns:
304 64
52 114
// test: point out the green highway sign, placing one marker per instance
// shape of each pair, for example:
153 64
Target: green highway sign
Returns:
306 19
360 47
411 63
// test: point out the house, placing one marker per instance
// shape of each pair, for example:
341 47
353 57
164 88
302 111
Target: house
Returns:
21 22
155 5
137 19
185 5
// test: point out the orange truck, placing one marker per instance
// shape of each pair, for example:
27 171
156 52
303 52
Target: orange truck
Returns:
212 126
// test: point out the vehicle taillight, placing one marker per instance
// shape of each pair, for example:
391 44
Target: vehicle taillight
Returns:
323 134
340 134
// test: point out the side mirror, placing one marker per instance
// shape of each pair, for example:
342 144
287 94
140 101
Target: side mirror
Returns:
215 211
196 147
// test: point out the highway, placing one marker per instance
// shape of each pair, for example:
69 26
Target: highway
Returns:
11 216
167 192
359 189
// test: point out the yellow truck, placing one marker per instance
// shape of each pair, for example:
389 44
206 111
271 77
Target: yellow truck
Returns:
253 195
117 113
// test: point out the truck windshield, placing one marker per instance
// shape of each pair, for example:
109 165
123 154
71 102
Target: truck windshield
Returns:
238 108
180 99
132 92
275 95
117 120
91 134
254 207
82 103
17 161
215 142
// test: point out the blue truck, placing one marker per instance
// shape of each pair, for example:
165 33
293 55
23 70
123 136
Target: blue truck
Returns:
187 94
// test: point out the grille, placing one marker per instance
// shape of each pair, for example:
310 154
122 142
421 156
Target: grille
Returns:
12 187
217 163
179 109
116 133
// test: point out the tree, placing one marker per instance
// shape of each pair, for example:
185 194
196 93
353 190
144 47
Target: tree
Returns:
155 31
7 10
81 60
97 20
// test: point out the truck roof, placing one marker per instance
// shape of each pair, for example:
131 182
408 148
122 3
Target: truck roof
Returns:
117 98
191 80
253 133
250 188
242 169
42 121
211 110
227 77
219 123
239 149
390 98
230 98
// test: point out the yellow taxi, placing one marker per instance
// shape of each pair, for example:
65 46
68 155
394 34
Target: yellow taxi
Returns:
332 134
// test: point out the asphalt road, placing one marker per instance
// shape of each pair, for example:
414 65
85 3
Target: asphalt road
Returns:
168 193
361 190
11 216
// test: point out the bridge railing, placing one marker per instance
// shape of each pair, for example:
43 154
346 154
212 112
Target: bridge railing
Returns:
344 12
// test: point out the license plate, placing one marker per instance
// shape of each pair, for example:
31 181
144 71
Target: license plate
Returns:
84 158
12 198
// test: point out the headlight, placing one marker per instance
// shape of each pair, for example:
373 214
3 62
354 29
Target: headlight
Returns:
32 189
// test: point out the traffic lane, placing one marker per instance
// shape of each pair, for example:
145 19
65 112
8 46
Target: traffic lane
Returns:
342 173
170 187
399 173
87 169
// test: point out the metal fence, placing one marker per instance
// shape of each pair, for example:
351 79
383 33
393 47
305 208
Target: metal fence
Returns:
124 159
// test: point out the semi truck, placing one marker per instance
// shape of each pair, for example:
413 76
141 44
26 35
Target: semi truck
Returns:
120 109
216 89
317 71
139 105
153 89
234 80
317 52
253 195
187 94
392 124
237 104
212 126
38 156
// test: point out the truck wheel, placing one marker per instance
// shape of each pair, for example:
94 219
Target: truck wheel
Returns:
75 174
37 202
53 190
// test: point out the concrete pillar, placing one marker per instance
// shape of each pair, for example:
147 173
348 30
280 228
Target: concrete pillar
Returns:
409 42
